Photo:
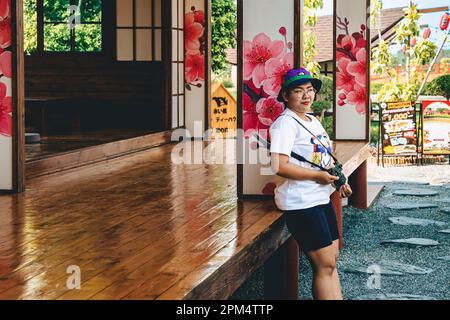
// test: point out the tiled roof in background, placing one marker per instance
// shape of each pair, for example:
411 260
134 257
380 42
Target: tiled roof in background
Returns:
324 42
324 31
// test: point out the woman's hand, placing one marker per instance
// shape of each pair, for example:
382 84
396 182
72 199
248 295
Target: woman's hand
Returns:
345 191
324 177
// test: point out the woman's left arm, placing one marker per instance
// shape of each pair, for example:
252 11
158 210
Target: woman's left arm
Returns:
345 191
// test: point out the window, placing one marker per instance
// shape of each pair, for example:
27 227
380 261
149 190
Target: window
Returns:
138 30
63 26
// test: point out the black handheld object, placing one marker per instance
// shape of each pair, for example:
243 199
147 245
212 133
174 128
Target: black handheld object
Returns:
337 172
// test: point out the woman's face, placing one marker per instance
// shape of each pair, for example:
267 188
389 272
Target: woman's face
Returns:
301 97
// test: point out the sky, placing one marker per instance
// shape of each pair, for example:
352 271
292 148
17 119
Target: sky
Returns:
431 19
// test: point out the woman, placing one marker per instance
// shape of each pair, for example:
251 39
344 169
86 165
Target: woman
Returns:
304 193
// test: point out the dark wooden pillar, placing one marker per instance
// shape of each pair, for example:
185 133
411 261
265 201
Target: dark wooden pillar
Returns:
358 182
281 273
18 96
336 202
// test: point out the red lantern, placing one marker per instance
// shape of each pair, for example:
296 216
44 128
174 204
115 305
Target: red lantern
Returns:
426 33
444 22
413 42
404 48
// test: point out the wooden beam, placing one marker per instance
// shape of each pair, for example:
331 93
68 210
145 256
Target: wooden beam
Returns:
358 182
281 273
431 10
18 96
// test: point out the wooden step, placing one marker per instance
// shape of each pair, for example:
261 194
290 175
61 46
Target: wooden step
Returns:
81 157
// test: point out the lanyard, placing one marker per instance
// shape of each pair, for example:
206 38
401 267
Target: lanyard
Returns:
293 154
334 158
296 155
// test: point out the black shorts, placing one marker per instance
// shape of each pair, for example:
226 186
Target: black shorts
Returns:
313 228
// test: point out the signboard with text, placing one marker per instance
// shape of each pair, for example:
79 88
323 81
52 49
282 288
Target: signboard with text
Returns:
436 127
398 125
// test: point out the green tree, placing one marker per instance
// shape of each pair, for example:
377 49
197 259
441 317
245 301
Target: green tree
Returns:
309 43
418 52
224 26
325 98
440 87
87 37
30 26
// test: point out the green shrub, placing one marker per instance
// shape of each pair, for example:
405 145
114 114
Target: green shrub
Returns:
439 87
374 137
227 83
327 123
375 88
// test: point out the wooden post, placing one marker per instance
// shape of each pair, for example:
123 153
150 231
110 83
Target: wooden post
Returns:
336 202
281 273
358 182
18 96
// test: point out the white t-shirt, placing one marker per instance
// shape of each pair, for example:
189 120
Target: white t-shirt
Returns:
286 135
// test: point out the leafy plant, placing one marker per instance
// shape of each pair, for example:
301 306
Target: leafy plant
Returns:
440 86
417 52
325 101
224 26
309 42
87 37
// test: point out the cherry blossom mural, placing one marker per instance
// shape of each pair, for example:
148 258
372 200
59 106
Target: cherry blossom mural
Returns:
267 54
351 65
5 68
266 61
6 116
194 41
195 68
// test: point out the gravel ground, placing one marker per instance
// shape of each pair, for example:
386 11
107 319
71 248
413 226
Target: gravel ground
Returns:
364 230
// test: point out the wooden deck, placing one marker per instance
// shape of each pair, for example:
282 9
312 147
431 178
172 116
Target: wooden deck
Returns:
139 227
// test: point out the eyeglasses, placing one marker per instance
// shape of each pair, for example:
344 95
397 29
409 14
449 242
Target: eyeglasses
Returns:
309 92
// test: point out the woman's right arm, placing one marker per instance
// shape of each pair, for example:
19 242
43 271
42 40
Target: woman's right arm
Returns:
282 167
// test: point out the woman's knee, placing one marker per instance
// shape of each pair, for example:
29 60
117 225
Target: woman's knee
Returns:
336 250
325 266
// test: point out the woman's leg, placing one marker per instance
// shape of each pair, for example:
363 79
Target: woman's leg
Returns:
325 278
336 281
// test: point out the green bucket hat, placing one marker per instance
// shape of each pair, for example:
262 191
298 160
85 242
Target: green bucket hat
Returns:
297 77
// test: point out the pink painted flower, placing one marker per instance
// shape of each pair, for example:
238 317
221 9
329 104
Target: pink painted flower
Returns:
358 68
200 17
5 112
192 33
5 9
347 43
344 80
269 189
275 70
251 93
358 98
195 68
257 53
250 123
5 23
5 64
249 105
269 109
